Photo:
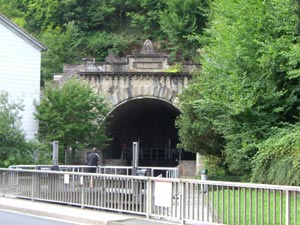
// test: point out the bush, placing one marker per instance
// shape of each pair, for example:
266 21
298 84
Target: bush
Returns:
278 158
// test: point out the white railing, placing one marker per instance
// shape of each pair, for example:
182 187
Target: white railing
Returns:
181 200
168 172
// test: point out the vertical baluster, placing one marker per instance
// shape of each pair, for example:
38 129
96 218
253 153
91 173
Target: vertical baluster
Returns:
207 204
115 192
192 189
99 190
202 203
262 207
198 201
228 205
280 204
126 194
233 205
122 189
274 207
213 202
295 207
239 205
218 204
268 206
108 190
223 204
288 207
245 205
256 206
250 206
188 200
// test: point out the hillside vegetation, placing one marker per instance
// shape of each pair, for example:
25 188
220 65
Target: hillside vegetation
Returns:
74 29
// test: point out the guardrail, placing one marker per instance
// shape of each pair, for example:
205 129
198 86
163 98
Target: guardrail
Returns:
194 201
168 172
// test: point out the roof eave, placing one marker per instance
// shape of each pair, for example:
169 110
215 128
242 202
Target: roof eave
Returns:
23 33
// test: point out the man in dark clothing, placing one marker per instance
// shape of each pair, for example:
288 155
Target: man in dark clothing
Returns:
93 160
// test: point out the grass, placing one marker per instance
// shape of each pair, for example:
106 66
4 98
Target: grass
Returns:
245 206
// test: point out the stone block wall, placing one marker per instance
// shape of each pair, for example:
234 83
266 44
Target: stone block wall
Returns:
187 168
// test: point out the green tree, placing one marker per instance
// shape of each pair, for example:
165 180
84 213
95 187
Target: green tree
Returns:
197 132
11 136
14 149
14 11
144 15
179 21
63 46
249 78
72 113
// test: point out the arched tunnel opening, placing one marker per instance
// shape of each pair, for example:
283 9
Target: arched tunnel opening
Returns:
151 122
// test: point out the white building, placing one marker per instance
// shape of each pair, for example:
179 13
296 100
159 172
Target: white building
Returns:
20 66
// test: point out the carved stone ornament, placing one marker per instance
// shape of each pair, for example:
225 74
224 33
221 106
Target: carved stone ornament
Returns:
148 47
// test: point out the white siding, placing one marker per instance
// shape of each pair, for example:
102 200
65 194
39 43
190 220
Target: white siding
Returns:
20 75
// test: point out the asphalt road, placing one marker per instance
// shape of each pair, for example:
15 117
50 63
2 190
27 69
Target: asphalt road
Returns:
12 218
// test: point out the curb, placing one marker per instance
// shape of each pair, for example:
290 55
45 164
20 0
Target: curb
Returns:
74 213
53 215
62 212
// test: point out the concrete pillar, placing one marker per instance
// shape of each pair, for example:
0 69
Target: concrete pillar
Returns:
198 164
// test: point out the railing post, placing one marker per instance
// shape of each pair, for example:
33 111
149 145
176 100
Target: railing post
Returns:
55 150
182 202
35 186
135 158
82 191
149 198
2 184
288 207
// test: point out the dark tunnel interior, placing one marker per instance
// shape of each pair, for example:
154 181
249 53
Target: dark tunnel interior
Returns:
151 122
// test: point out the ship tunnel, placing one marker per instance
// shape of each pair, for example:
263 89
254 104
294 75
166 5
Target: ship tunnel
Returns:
151 123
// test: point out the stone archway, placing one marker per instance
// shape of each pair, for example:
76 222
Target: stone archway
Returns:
142 90
151 122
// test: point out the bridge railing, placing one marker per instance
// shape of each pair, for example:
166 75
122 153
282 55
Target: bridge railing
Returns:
181 200
168 172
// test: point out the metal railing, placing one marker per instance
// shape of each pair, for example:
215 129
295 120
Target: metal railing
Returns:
181 200
154 154
168 172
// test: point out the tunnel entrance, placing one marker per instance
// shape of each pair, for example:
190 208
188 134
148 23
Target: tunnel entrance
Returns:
151 122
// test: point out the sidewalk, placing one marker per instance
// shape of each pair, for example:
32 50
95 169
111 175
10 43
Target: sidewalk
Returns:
73 213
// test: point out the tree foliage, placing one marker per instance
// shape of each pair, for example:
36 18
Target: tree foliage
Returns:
64 42
278 158
249 81
180 20
72 113
74 29
14 149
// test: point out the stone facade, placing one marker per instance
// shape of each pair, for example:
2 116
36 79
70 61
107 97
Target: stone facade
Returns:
125 86
146 74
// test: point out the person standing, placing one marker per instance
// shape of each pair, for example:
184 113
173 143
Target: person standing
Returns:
93 160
